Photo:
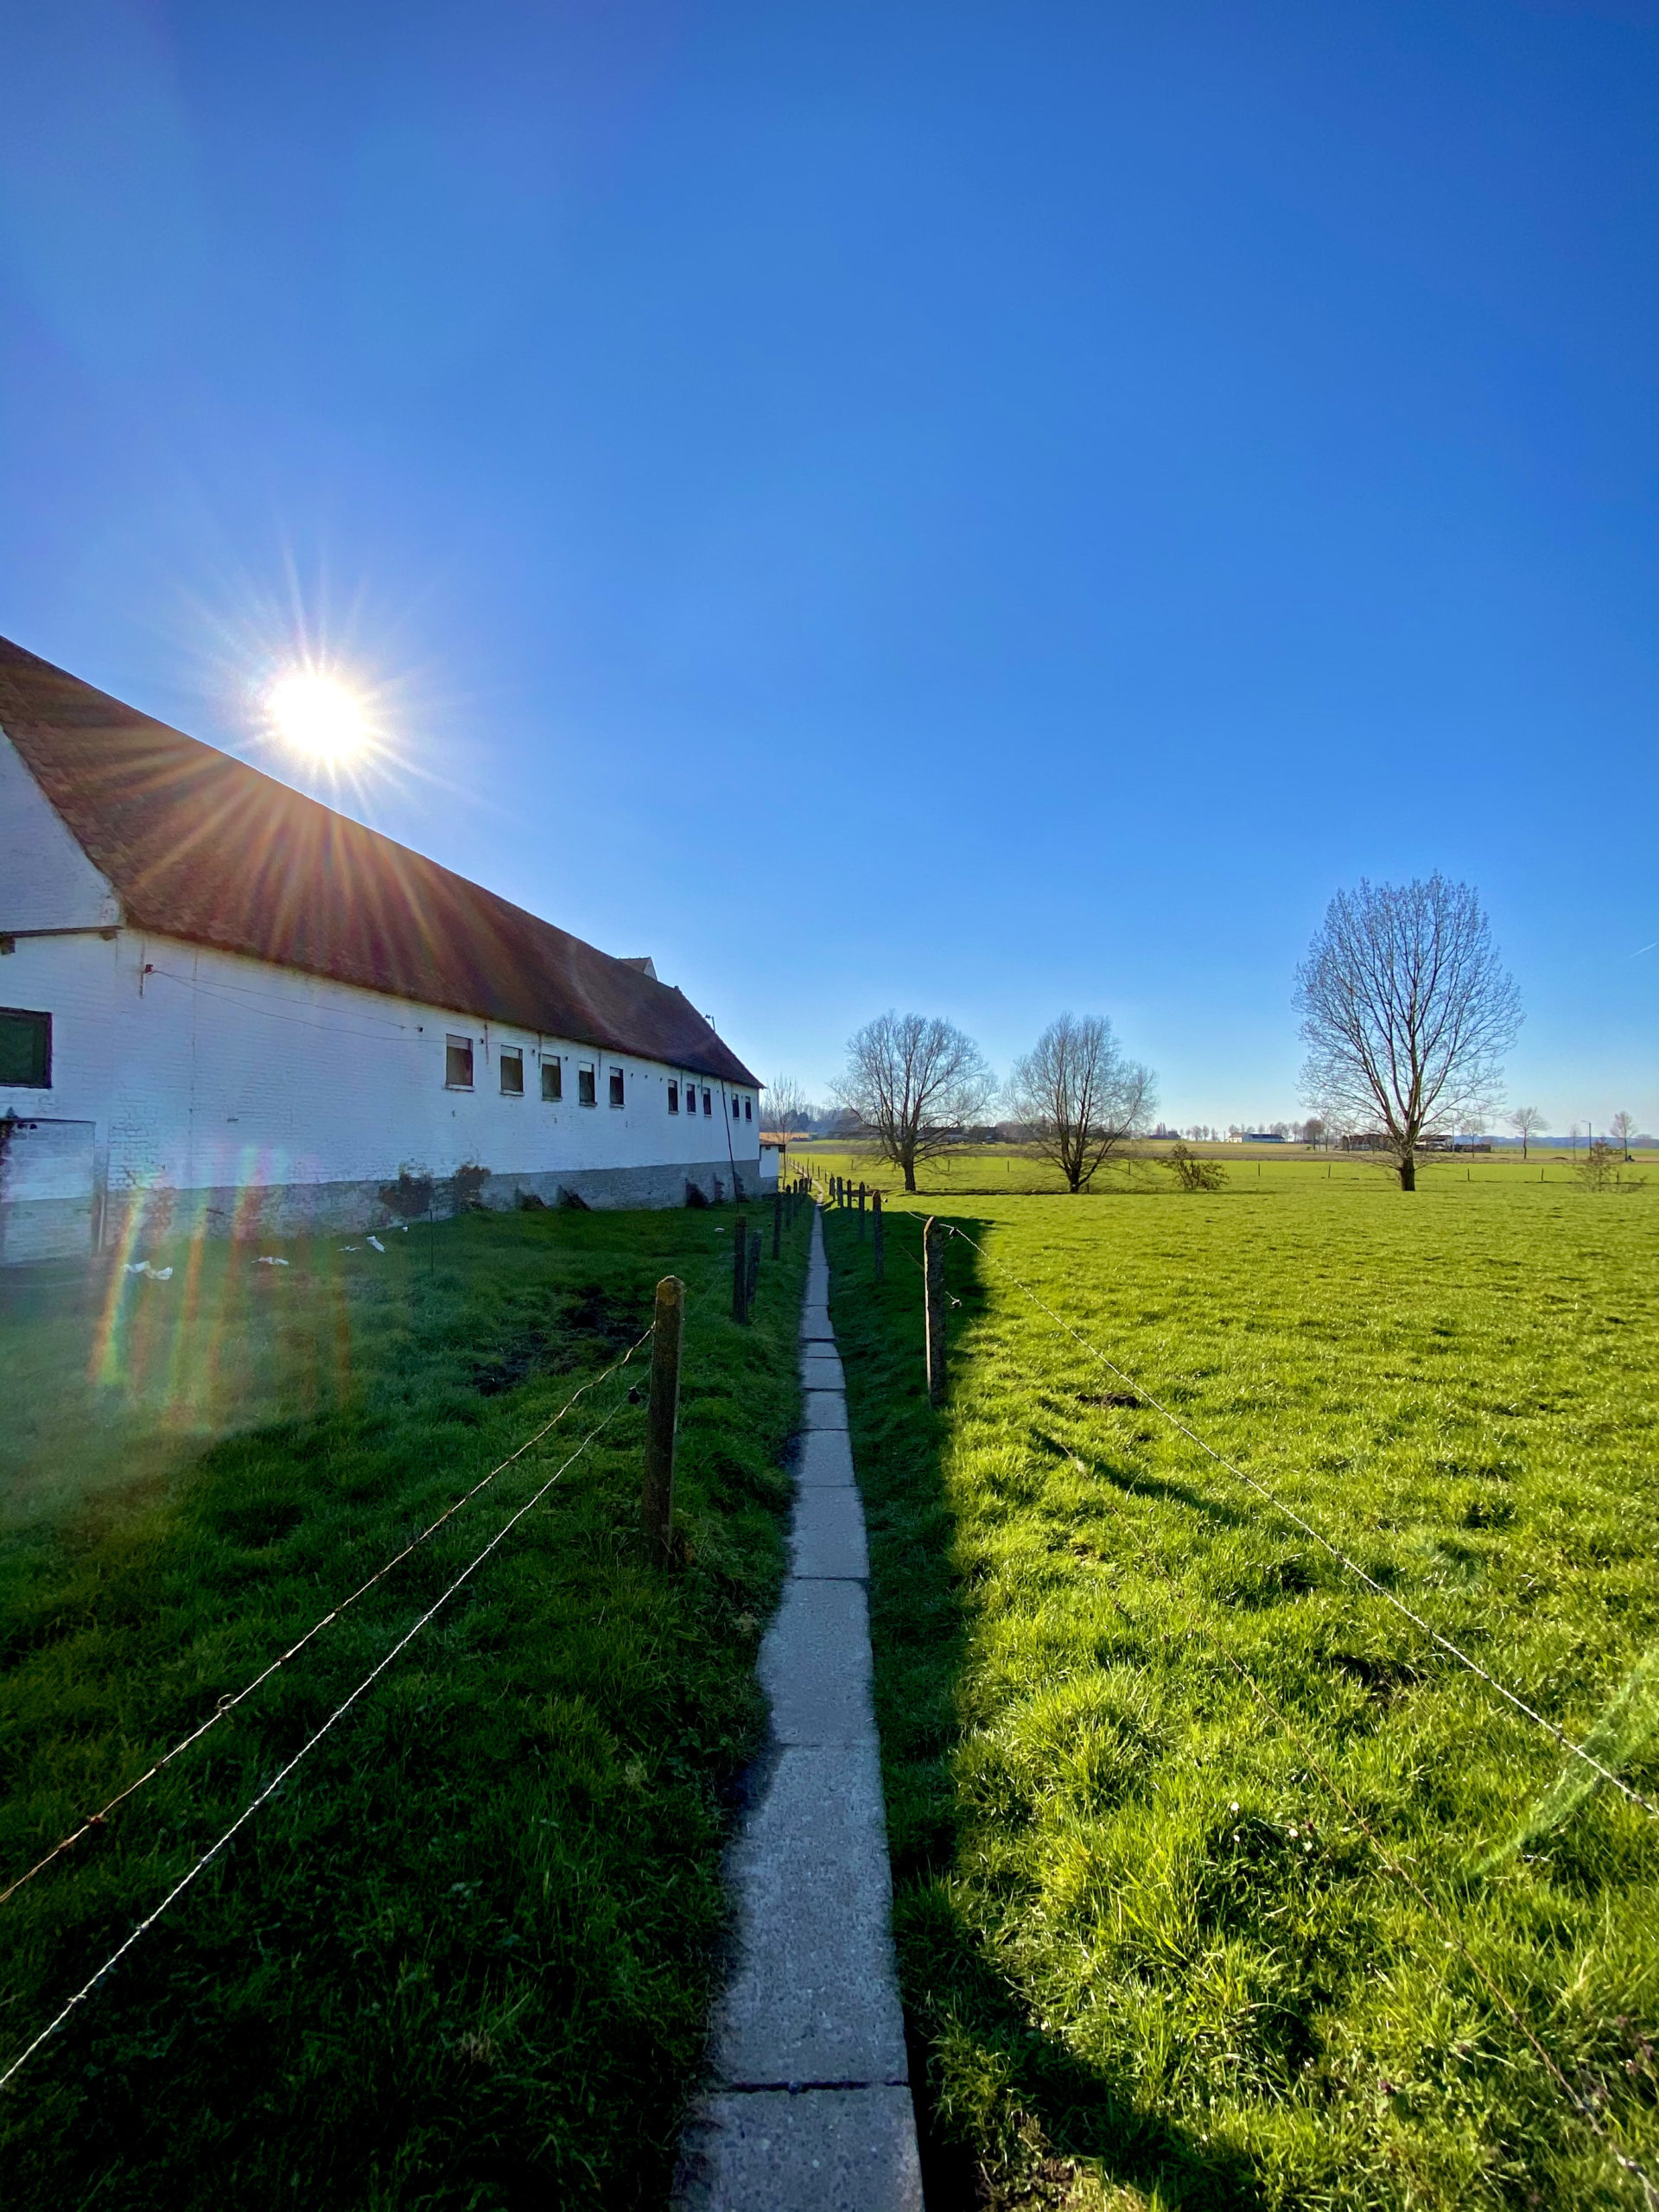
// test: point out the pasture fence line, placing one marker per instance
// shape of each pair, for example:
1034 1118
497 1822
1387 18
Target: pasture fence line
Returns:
1583 2105
1446 1644
227 1705
271 1788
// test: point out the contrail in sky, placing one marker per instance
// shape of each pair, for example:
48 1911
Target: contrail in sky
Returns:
1640 950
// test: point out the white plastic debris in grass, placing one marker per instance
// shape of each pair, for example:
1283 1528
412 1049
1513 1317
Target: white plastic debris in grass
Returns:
377 1245
144 1268
268 1260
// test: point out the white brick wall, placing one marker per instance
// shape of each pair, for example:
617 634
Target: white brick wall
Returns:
209 1072
205 1068
45 881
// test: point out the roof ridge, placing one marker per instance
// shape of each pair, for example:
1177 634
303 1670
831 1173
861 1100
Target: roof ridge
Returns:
201 844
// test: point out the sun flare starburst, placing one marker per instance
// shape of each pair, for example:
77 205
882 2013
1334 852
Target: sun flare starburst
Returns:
320 716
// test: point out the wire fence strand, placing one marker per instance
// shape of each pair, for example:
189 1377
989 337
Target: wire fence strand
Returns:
227 1705
1583 2105
310 1745
1444 1642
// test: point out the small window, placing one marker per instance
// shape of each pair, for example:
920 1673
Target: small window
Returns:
552 1080
737 1109
458 1064
673 1097
25 1048
709 1104
587 1086
512 1074
748 1110
618 1097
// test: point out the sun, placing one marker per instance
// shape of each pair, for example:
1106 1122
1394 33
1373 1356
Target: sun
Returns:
319 715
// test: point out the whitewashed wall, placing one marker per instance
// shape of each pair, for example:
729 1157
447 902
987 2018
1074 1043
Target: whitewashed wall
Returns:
215 1078
46 882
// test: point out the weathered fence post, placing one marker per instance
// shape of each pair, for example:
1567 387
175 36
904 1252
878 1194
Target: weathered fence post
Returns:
777 1223
661 1416
739 1270
860 1213
933 1272
754 1272
880 1250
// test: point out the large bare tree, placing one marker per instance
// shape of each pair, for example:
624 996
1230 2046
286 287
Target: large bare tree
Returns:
913 1081
1080 1096
1406 1011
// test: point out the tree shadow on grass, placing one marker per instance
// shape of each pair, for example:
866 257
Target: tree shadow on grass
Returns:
1136 1482
964 2015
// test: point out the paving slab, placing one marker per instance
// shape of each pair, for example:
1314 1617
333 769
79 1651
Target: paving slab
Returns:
827 1535
831 2151
814 1994
807 2109
823 1408
825 1461
815 1664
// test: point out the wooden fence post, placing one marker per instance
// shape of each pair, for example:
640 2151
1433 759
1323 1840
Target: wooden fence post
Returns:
880 1251
661 1416
739 1270
860 1213
933 1272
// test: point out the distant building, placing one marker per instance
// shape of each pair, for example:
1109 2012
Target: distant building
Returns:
226 1007
1264 1136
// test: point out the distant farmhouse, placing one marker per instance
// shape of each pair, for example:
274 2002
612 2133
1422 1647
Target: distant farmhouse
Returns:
225 1007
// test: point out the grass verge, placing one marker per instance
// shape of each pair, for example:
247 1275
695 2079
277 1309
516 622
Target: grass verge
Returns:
464 1957
1149 1956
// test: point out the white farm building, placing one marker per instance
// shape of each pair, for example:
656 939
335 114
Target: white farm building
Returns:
226 1008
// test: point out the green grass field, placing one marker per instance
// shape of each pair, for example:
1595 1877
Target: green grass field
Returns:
1152 1949
1017 1171
464 1958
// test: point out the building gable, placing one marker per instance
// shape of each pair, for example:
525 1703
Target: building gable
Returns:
47 881
197 845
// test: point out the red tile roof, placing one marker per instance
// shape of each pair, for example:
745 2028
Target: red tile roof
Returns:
200 846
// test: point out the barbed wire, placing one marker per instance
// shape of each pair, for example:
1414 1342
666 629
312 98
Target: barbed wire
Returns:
227 1705
1464 1658
310 1744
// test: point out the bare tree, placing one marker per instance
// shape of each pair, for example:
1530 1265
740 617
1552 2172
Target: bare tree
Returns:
1526 1122
786 1108
1621 1129
1406 1011
913 1081
1080 1096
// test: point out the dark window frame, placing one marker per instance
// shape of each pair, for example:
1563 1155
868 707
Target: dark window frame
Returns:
39 1059
510 1055
673 1097
552 1066
455 1048
708 1103
619 1087
587 1083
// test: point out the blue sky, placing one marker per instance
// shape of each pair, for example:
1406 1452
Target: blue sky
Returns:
980 508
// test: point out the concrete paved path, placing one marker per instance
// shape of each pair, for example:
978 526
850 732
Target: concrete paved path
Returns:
808 2105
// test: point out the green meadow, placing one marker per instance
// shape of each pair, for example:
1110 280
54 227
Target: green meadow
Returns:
1217 1882
463 1958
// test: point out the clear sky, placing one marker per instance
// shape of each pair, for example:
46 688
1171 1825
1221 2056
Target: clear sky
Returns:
977 508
